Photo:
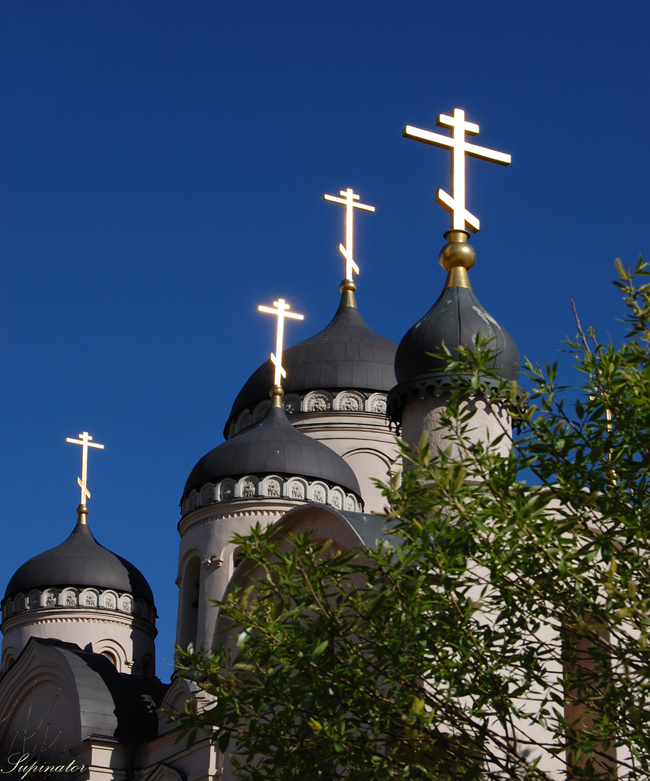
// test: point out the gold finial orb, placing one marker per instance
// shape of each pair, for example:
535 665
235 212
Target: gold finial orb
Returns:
276 393
457 257
456 254
346 285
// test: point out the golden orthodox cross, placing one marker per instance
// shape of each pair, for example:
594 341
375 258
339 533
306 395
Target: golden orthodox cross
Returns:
348 200
455 203
280 311
85 442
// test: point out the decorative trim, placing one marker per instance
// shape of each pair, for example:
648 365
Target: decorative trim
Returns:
187 522
319 400
53 598
212 561
426 385
269 487
26 619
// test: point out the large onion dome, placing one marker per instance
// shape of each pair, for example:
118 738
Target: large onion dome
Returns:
273 446
346 354
79 561
457 318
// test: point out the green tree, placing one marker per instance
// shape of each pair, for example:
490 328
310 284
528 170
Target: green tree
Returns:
501 627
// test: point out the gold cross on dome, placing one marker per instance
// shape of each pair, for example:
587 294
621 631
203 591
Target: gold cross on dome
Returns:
280 311
348 200
455 203
85 442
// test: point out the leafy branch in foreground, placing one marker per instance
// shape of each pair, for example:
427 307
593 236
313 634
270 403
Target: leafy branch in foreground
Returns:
499 631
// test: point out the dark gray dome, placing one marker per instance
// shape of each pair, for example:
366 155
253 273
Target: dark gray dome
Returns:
273 446
347 353
79 561
455 319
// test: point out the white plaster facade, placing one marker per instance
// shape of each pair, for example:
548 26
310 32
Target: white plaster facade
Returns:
363 440
125 639
487 424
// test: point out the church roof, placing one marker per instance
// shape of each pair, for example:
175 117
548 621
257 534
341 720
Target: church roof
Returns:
347 353
79 561
273 446
455 319
108 704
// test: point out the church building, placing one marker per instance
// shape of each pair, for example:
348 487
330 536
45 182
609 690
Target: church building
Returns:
305 437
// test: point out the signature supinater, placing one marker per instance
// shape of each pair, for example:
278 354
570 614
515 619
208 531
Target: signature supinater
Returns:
24 764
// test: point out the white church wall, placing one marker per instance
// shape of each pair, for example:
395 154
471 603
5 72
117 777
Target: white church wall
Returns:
363 439
206 536
425 414
128 638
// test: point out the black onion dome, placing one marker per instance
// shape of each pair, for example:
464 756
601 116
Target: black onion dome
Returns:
273 446
80 561
457 318
346 354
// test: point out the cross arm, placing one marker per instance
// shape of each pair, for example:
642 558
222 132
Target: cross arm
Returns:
487 154
84 442
283 312
435 139
345 202
364 207
428 137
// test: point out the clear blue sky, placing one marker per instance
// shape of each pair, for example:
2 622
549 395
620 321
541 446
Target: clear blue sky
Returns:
162 167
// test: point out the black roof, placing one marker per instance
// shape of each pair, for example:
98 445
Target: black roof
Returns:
111 704
79 561
273 446
347 353
456 319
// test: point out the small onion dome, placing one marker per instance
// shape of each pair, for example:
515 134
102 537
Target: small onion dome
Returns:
273 446
80 561
456 319
346 354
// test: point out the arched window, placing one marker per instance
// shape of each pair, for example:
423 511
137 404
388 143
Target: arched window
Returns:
237 558
110 656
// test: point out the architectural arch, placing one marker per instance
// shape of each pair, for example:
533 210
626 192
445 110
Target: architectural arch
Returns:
114 652
369 464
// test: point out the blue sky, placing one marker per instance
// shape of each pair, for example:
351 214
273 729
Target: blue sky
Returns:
162 167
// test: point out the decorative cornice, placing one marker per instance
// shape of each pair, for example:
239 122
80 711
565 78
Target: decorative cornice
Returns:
314 402
68 598
196 518
29 619
364 428
423 386
254 489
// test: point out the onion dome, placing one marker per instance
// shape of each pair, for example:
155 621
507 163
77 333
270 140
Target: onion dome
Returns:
79 561
273 447
457 318
346 354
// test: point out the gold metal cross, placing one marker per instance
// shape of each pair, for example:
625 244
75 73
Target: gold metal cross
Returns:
85 442
455 203
348 200
281 311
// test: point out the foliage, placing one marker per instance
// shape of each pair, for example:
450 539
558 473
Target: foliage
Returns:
500 629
